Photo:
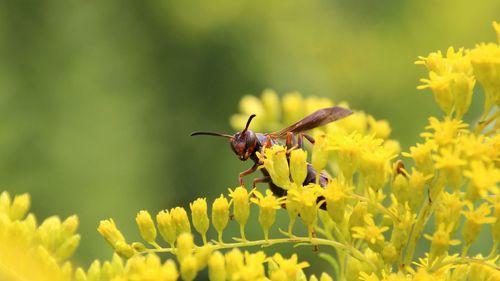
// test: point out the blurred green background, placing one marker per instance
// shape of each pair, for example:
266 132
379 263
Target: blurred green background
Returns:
98 97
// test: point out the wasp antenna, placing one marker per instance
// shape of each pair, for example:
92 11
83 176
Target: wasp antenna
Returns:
200 133
248 123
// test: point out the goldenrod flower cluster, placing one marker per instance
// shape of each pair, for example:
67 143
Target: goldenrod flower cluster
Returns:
377 206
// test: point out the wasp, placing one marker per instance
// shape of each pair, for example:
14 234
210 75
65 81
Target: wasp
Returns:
246 144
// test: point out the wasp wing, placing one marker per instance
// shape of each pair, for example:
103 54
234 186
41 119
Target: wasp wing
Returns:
316 119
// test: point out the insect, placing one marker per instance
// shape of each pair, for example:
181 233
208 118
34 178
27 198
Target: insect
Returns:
246 143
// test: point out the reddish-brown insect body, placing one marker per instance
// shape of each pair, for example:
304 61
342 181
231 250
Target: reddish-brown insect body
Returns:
246 143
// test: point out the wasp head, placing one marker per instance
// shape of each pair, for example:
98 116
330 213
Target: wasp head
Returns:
242 143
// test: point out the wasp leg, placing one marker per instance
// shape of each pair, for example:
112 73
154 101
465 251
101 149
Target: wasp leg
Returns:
301 139
290 141
247 172
265 179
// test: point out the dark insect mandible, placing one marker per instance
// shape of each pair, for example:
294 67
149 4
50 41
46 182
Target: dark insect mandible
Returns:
246 144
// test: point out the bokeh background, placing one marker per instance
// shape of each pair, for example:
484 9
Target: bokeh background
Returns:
97 98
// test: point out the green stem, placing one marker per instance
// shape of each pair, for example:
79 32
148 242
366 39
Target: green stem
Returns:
315 241
484 123
435 190
493 252
242 232
462 260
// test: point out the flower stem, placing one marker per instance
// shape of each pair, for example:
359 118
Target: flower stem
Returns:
435 190
314 241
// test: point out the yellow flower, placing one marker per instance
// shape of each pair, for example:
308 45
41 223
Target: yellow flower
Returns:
267 209
445 132
422 155
441 240
276 164
379 128
474 220
306 198
434 62
336 195
473 147
449 209
451 164
484 179
375 166
291 267
371 233
440 86
485 59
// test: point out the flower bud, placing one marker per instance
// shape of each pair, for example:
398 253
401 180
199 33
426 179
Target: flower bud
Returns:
416 184
389 254
146 226
20 206
69 225
400 188
189 268
319 157
200 217
67 248
108 230
166 226
180 218
185 245
298 165
358 214
241 205
220 214
124 250
216 267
